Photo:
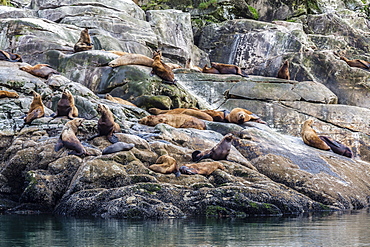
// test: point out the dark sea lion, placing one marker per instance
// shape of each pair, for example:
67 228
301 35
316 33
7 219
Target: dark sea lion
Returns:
356 63
337 147
118 147
68 138
218 152
66 106
174 120
202 168
10 57
118 100
187 111
40 70
283 72
106 124
310 136
166 164
210 70
37 109
161 69
131 59
7 94
228 69
84 43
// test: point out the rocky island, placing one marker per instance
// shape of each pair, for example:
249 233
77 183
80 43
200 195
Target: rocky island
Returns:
269 170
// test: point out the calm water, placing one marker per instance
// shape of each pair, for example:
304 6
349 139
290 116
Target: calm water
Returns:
333 229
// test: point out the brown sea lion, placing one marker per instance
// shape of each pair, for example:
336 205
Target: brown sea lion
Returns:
210 70
161 69
166 164
68 138
202 168
66 106
40 70
356 63
240 116
10 57
217 116
283 72
84 43
310 137
37 109
106 124
218 152
337 147
174 120
118 100
191 112
131 59
228 69
7 94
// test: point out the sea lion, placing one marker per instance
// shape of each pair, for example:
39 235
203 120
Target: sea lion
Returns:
131 59
166 164
356 63
40 70
210 70
202 168
218 152
217 116
240 116
37 109
66 106
189 65
310 137
118 100
337 147
161 69
283 72
106 124
118 147
10 57
174 120
84 43
228 69
7 94
68 138
191 112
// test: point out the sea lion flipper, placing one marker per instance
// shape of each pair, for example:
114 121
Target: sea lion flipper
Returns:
112 138
188 170
93 137
58 146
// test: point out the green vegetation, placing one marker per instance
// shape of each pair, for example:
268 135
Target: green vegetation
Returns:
206 5
5 2
254 12
216 210
151 188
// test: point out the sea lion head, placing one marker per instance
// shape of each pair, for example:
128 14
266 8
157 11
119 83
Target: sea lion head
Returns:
36 96
229 137
241 117
66 94
25 68
157 53
154 111
77 121
108 96
308 122
195 155
102 108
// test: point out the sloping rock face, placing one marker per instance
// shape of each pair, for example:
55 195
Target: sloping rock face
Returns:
312 45
269 171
